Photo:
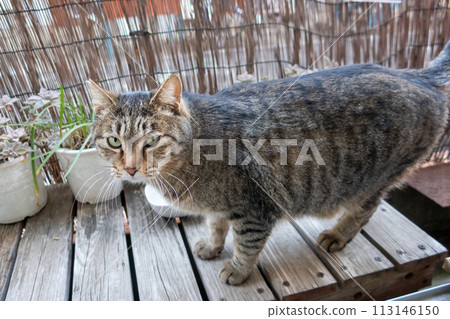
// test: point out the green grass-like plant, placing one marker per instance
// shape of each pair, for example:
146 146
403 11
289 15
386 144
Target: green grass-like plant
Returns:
53 123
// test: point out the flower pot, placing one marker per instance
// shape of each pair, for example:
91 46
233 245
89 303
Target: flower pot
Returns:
160 205
17 193
90 179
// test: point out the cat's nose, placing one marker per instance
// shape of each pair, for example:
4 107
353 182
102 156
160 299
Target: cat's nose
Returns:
131 170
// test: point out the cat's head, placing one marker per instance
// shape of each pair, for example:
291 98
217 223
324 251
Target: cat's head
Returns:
141 133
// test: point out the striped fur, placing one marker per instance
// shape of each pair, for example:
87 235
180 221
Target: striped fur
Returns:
371 125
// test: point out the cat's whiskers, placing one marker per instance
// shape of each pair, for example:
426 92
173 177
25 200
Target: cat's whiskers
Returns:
143 208
187 188
156 216
108 192
100 200
87 191
170 194
82 186
157 184
112 189
101 196
178 201
118 202
174 190
127 249
190 170
92 185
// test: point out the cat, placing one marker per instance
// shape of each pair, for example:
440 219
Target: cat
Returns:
366 127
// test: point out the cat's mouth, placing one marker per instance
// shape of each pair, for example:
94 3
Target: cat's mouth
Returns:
134 179
122 174
138 176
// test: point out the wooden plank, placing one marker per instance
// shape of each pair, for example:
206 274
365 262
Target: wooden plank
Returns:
357 259
254 288
163 269
400 240
382 283
101 268
9 242
42 268
292 268
382 286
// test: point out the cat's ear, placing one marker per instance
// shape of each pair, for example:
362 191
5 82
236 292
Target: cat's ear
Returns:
101 99
170 91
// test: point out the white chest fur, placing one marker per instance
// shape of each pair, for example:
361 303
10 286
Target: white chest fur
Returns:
160 204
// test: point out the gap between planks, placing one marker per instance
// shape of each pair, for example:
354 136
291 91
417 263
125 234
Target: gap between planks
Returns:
403 242
254 288
162 265
101 268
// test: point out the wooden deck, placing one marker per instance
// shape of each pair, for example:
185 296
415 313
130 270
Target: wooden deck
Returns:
39 260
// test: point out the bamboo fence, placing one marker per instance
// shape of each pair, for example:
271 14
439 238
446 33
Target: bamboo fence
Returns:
133 45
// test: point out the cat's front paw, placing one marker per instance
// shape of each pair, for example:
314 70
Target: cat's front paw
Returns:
331 240
232 276
204 250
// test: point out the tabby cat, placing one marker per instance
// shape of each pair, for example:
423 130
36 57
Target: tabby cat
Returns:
366 128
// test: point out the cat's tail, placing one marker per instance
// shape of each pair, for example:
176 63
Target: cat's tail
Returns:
438 71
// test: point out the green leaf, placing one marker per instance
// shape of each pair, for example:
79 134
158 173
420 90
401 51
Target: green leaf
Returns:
61 110
40 155
33 164
58 145
78 155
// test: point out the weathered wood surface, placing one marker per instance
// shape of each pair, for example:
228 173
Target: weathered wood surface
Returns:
163 269
400 240
9 242
101 266
254 288
292 268
390 257
42 268
358 259
382 286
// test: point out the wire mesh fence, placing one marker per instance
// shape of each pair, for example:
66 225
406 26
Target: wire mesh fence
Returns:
133 45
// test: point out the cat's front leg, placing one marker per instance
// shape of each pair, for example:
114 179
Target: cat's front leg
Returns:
250 236
208 248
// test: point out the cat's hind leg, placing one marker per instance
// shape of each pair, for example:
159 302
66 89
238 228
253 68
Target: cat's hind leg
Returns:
348 226
208 248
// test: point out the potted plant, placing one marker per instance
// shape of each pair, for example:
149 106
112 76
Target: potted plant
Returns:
68 136
22 192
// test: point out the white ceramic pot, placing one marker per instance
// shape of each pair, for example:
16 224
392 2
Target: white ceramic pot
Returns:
17 193
160 205
90 179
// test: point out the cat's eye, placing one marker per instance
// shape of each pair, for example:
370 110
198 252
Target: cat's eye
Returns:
114 142
152 141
